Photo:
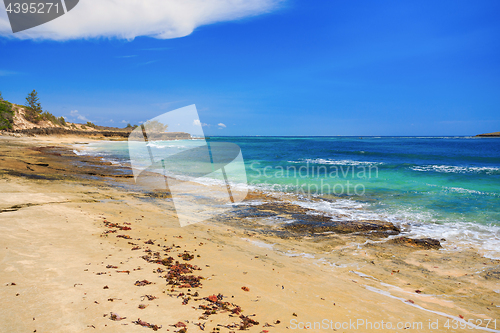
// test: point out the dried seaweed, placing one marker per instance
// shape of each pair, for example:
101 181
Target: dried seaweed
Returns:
145 324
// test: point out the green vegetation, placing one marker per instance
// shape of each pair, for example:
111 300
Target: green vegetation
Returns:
53 119
91 124
129 126
6 114
33 108
155 126
34 113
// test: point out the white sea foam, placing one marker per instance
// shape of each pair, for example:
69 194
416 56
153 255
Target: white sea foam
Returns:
462 234
260 243
468 191
335 162
295 254
456 169
341 209
80 152
417 224
363 275
469 325
248 203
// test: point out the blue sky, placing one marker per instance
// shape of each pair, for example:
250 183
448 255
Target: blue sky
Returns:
300 68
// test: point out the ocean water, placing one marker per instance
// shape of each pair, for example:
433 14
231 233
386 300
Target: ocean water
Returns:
440 187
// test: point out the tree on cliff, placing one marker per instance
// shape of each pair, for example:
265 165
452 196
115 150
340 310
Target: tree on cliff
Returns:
34 108
1 98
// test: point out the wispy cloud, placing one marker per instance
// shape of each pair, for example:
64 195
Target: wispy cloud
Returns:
7 73
77 115
126 56
125 19
147 63
221 125
158 49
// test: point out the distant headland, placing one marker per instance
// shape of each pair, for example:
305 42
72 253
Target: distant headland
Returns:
489 135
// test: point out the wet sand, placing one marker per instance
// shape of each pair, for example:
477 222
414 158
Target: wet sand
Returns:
84 249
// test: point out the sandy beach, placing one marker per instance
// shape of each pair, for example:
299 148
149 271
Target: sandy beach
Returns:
83 249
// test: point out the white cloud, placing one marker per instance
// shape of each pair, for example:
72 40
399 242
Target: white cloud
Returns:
77 115
197 122
127 19
221 125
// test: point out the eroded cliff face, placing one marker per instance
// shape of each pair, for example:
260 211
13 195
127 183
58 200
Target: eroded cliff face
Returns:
21 123
21 126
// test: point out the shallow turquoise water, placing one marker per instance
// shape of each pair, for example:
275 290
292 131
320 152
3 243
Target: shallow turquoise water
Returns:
438 187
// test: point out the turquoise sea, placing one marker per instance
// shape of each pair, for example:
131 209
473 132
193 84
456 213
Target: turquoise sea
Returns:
440 187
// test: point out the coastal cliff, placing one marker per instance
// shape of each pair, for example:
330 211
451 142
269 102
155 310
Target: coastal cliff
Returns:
13 121
96 133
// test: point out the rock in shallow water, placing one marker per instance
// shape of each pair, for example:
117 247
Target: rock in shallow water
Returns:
424 243
320 224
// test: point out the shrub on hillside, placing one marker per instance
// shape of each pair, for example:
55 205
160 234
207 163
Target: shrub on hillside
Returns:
6 115
91 124
53 119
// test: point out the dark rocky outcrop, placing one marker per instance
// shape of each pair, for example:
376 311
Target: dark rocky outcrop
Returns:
489 135
423 243
320 224
308 221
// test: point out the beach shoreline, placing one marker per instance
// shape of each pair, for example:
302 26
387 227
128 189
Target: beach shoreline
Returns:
62 213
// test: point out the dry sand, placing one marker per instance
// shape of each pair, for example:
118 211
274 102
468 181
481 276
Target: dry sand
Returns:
60 216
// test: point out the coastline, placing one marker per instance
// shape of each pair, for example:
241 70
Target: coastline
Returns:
55 268
489 135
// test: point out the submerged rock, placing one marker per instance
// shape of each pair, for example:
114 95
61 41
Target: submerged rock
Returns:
424 243
321 224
